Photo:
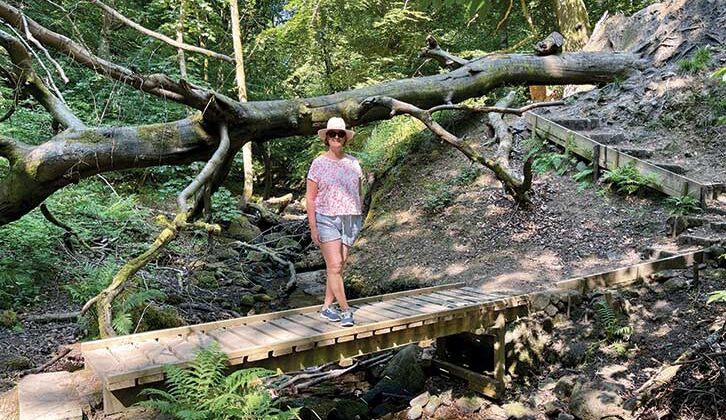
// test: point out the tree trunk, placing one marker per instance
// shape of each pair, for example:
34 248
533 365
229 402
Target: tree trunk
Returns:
242 95
573 22
180 38
74 154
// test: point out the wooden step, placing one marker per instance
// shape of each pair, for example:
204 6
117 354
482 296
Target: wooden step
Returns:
577 123
605 137
638 152
675 168
49 396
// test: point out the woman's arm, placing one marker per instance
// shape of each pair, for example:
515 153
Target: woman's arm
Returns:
310 194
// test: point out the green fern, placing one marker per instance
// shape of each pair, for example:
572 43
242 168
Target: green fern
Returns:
608 319
627 179
203 392
682 205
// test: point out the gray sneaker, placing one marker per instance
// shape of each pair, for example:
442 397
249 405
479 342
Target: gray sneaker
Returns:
330 314
346 318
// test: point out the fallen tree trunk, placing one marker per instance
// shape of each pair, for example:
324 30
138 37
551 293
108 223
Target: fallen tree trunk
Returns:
36 172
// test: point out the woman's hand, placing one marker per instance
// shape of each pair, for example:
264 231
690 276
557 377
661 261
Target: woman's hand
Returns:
315 236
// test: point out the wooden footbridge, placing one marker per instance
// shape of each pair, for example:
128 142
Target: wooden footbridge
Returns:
297 338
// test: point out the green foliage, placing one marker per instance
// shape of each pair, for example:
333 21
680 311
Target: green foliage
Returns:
8 318
443 194
682 205
612 327
552 161
584 177
440 198
203 392
94 279
627 179
224 206
717 296
700 60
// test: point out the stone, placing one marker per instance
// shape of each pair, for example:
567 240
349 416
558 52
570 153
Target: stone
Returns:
573 355
226 253
242 229
565 416
517 410
675 284
664 275
432 405
349 409
256 256
540 301
493 412
287 243
414 413
446 398
247 300
588 402
564 386
16 362
551 310
262 297
204 278
469 404
420 400
402 375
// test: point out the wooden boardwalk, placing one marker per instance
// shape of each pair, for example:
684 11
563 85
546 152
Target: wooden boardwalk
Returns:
609 157
297 338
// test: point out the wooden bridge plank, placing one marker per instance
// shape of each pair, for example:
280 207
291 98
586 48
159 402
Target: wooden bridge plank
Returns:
458 298
157 352
274 331
186 330
426 306
427 301
289 325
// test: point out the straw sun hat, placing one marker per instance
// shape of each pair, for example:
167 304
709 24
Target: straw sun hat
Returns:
336 123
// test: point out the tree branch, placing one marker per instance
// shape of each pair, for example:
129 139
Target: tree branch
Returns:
432 50
161 37
155 84
28 79
512 183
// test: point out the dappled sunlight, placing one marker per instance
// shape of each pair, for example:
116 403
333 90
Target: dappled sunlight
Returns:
662 331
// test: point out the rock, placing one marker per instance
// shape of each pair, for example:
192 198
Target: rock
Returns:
432 405
517 410
247 300
349 410
493 412
312 282
564 385
403 375
446 398
540 301
469 404
674 284
226 253
420 400
573 355
205 278
262 297
588 402
287 243
414 413
565 416
242 229
551 310
256 256
664 275
16 362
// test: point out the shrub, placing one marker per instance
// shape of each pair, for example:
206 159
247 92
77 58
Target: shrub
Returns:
682 205
203 392
627 179
700 60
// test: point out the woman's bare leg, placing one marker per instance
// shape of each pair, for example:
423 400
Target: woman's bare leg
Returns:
333 255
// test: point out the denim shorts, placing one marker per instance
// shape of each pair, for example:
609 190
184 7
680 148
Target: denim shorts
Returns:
345 227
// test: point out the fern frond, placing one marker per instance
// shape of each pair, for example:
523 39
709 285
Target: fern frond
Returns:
142 297
122 323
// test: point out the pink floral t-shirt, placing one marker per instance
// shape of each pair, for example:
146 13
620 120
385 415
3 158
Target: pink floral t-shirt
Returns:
338 185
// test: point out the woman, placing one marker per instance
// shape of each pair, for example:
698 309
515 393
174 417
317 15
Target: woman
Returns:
334 212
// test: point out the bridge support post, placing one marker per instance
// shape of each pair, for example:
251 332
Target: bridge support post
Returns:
499 331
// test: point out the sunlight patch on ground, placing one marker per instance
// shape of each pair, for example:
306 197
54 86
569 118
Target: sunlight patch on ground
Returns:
662 331
546 260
